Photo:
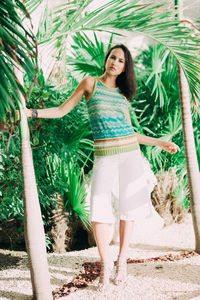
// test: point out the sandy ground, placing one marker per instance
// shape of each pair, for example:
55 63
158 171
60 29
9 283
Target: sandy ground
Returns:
178 279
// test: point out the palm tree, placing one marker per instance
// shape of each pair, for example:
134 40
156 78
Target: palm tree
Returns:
190 157
115 16
189 145
160 114
33 225
16 45
158 24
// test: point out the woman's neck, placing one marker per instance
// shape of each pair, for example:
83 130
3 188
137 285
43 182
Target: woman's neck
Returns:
109 80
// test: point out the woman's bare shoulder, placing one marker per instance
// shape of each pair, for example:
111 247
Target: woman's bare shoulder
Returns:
88 83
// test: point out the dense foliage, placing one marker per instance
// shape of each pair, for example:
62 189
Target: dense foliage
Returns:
56 143
156 112
62 148
17 47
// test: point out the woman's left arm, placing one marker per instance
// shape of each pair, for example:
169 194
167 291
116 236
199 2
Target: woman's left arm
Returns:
147 140
167 146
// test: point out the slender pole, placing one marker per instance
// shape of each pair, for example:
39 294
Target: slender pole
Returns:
191 157
193 174
33 225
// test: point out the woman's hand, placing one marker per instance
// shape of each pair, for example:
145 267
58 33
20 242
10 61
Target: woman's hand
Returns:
169 146
27 113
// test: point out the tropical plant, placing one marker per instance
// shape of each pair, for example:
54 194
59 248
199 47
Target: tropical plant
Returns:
71 186
73 141
170 197
181 192
17 49
149 114
170 126
73 144
153 21
193 174
75 193
11 203
34 231
190 151
156 109
149 117
87 56
134 17
62 231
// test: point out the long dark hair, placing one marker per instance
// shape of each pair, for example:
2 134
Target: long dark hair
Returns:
126 81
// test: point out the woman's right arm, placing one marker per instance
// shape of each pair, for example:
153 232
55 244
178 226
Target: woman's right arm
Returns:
83 89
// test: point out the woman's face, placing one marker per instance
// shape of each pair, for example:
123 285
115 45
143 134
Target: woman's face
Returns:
115 63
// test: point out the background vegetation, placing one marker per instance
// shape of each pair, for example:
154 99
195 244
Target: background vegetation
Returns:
62 148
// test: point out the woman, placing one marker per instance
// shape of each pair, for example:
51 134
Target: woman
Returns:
117 153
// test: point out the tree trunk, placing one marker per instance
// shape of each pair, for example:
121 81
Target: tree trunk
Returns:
189 144
62 232
33 225
190 156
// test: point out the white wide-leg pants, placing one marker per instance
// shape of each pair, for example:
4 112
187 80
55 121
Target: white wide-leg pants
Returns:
134 197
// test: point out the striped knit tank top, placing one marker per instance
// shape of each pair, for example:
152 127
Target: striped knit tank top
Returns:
107 109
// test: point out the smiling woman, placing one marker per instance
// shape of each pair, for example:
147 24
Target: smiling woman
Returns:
117 153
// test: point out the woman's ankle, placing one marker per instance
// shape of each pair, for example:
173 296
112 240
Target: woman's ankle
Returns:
122 257
106 261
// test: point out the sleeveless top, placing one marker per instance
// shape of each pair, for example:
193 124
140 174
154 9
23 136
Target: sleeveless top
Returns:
111 131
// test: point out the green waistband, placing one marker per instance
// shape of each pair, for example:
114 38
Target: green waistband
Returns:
105 152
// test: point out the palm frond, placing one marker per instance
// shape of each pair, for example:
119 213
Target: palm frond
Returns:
32 5
88 56
120 17
181 191
78 145
75 194
173 126
17 48
159 56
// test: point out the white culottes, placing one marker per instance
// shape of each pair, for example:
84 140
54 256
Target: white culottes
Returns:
134 197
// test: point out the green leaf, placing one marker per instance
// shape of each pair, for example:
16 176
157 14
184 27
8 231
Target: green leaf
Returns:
119 17
17 45
159 267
